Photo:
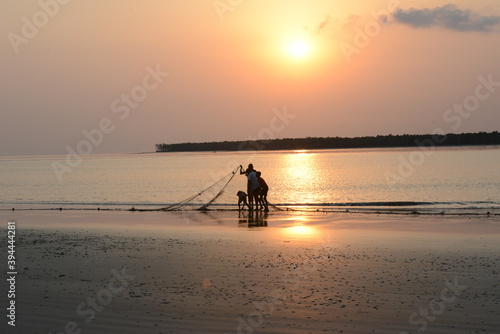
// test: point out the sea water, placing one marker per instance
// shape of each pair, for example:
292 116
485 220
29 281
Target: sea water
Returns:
450 180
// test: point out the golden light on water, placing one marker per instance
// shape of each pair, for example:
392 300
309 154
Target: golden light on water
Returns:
300 229
301 168
301 232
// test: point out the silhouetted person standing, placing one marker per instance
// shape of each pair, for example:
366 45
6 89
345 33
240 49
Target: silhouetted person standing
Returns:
263 190
252 184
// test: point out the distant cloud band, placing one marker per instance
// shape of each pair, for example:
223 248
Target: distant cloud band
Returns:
448 17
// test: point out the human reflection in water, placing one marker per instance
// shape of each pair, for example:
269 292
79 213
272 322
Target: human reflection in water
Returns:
252 219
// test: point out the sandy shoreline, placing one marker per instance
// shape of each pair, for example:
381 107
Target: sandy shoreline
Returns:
125 272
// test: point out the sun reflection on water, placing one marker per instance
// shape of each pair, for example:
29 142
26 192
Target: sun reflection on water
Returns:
302 171
300 229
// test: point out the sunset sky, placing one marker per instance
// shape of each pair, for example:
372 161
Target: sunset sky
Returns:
131 74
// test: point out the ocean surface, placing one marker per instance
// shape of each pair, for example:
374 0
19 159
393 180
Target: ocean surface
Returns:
463 180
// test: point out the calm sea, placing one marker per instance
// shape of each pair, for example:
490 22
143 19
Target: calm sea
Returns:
454 180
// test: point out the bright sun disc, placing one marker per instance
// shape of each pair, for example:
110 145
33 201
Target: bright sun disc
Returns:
298 49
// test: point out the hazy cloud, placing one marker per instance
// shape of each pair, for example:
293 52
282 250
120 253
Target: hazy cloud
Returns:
448 17
322 25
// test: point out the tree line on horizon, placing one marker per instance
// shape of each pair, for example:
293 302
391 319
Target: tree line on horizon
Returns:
311 143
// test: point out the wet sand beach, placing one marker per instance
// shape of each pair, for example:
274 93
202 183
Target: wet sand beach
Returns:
225 272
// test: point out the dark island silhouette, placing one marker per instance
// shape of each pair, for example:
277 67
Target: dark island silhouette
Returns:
311 143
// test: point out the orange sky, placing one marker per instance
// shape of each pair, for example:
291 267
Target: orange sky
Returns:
68 65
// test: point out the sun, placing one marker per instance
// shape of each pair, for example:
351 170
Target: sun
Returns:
297 55
298 49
